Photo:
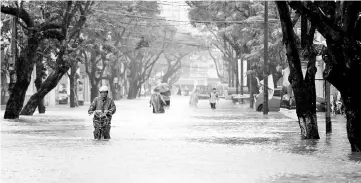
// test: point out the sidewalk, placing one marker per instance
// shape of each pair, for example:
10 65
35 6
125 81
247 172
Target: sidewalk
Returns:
321 116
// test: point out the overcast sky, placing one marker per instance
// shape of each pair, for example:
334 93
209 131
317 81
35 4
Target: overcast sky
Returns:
177 10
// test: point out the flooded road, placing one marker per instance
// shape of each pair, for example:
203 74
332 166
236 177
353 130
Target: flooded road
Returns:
230 144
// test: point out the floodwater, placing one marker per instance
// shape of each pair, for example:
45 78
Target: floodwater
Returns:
230 144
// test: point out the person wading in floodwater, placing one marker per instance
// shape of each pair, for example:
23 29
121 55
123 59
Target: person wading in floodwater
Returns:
157 101
104 108
213 98
193 100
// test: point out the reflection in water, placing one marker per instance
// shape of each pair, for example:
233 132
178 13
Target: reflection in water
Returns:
355 156
306 146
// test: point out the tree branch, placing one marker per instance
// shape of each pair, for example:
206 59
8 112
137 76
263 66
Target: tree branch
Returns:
23 14
47 25
67 16
53 34
216 64
311 33
289 41
357 29
169 60
324 25
351 14
86 63
295 19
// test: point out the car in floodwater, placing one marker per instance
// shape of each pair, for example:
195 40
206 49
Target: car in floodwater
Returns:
280 101
274 103
62 97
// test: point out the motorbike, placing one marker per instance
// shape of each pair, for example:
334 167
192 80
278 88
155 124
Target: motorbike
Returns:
102 120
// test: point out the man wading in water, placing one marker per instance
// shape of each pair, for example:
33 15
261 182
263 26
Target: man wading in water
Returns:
213 98
104 108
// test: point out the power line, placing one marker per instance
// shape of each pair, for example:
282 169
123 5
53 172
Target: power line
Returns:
189 44
173 4
185 66
162 49
197 21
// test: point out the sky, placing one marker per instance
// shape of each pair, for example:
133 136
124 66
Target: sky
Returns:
177 10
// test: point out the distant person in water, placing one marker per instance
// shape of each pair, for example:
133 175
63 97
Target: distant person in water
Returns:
166 96
193 100
213 98
157 102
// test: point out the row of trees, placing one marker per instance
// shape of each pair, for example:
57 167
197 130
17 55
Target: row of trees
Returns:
339 23
236 30
237 27
118 42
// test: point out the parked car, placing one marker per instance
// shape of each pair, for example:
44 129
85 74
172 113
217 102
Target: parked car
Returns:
285 102
203 96
320 104
273 104
62 97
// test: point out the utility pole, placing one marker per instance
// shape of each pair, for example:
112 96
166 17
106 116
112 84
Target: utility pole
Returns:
242 73
328 107
265 65
237 74
250 91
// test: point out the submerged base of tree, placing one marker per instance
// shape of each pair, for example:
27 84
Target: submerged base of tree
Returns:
308 125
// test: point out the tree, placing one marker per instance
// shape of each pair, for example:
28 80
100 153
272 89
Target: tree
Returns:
96 61
240 25
119 29
40 76
5 55
340 24
217 65
65 55
303 87
174 64
73 78
180 46
35 32
140 65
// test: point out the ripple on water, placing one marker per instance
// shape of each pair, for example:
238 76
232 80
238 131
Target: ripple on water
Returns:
183 145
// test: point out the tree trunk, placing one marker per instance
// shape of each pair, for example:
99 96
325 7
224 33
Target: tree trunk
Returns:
49 84
94 90
139 91
237 77
38 81
73 77
24 68
168 74
76 101
303 88
174 79
3 93
133 91
171 72
342 71
305 95
308 125
352 102
72 91
112 88
242 76
342 57
232 74
229 74
165 78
